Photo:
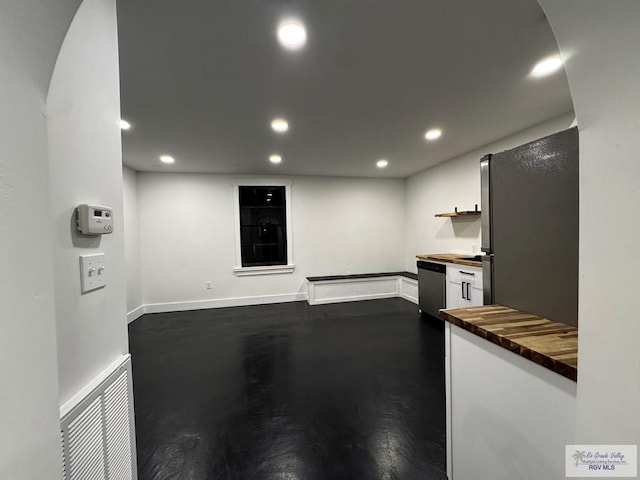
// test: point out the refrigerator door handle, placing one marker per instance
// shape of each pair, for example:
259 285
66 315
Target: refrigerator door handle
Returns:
485 200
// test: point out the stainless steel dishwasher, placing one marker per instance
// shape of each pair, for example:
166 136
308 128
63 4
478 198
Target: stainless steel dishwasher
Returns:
431 287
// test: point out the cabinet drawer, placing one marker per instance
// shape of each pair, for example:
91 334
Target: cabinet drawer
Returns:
459 273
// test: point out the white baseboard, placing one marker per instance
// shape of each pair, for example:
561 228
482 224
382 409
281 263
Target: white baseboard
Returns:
135 313
403 287
223 302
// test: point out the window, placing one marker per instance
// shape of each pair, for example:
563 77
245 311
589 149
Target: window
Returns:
263 227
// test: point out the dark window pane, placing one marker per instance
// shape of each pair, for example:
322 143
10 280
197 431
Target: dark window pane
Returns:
248 255
270 214
274 196
263 233
247 195
249 234
248 216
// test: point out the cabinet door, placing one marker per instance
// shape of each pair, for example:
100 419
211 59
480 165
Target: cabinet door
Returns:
454 293
472 280
464 286
475 295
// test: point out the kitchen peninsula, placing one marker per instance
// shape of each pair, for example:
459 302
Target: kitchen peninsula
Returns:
511 393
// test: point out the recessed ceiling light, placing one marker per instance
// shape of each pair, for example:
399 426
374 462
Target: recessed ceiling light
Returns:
124 125
382 163
547 66
280 125
275 159
292 34
167 159
433 134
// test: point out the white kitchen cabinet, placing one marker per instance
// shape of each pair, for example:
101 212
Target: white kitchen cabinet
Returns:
506 417
464 286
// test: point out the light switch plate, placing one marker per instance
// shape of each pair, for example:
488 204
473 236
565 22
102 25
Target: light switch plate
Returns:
93 272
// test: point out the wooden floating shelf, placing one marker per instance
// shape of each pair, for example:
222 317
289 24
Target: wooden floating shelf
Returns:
461 213
464 213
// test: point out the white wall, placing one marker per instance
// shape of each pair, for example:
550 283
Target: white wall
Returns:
600 41
456 183
83 109
131 240
30 35
340 225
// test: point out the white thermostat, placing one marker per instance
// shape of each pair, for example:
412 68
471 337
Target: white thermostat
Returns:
94 220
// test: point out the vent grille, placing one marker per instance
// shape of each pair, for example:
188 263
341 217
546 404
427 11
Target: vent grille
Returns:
84 437
118 428
64 457
97 435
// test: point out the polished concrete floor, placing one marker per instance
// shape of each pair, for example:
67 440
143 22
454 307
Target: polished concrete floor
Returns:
346 391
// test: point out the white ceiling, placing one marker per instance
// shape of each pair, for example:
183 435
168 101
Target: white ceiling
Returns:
202 79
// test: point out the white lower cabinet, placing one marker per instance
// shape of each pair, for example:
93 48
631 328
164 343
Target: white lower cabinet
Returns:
507 418
464 286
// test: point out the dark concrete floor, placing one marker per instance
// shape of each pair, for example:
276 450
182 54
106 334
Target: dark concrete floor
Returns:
346 391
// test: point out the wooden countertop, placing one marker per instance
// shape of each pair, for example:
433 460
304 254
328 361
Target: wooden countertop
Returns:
550 344
449 258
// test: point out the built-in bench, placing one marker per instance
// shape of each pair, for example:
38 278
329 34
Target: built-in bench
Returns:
362 286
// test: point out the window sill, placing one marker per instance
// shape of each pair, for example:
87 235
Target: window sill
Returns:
269 270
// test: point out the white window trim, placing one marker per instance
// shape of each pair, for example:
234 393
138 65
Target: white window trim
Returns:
239 270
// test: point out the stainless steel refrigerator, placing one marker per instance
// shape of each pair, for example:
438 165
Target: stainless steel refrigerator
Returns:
530 227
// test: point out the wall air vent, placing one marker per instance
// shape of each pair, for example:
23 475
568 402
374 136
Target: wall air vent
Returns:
98 440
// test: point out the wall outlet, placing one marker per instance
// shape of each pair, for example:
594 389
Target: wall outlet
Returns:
208 285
